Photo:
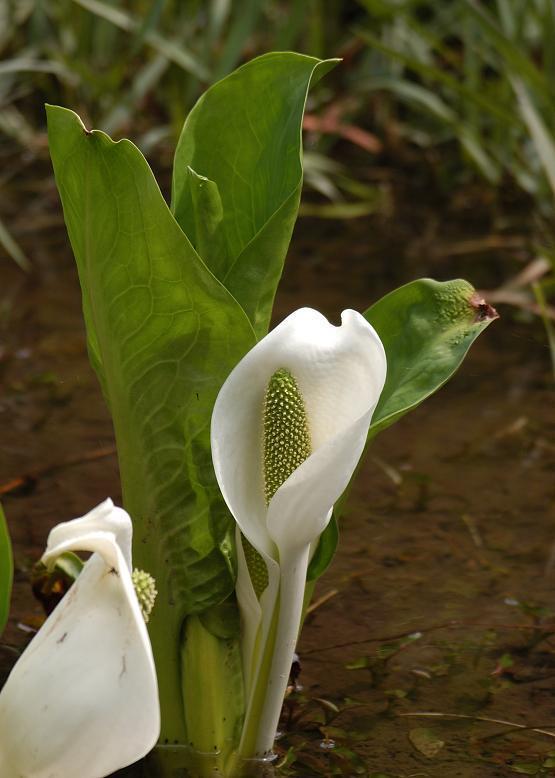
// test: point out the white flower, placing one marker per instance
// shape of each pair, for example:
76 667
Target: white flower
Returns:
335 375
83 698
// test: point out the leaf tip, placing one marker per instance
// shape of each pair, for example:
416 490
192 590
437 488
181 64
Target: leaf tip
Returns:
483 311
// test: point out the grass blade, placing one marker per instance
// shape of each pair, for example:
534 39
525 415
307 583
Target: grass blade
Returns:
26 64
6 571
516 59
547 323
175 52
13 249
492 107
543 140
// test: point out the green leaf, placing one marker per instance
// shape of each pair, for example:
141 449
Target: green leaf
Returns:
205 222
163 335
244 136
6 571
70 565
426 328
324 551
222 620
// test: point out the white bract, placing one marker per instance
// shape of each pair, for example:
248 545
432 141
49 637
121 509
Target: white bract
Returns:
339 373
83 698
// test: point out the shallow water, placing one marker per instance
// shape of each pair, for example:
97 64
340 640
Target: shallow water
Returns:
440 597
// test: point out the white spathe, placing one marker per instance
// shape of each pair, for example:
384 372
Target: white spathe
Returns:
83 698
340 372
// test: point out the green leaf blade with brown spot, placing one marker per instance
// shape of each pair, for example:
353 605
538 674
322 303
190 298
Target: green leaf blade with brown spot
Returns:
427 328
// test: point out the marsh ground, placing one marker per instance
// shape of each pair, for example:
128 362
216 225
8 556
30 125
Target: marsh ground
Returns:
440 599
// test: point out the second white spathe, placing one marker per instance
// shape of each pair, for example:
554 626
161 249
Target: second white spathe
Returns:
83 699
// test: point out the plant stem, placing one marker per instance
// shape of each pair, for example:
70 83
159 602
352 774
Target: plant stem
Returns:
165 647
264 710
212 693
247 748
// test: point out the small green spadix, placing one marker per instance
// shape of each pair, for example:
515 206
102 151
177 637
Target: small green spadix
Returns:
286 433
145 589
286 446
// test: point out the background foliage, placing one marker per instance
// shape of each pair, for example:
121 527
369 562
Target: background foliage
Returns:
442 106
461 92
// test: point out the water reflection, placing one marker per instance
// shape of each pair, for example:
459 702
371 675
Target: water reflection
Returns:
182 762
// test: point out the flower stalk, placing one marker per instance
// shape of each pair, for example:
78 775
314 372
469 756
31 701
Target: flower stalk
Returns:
263 716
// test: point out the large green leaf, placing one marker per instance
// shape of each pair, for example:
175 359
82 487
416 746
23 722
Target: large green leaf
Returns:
244 136
6 571
164 334
426 328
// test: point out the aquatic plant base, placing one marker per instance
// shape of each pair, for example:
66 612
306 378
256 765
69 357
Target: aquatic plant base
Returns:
184 762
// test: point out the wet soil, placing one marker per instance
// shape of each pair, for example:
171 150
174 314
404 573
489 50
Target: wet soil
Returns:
440 599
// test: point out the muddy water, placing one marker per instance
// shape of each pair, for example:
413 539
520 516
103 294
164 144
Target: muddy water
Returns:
440 599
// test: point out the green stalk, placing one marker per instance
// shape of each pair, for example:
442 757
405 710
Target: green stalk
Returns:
165 623
165 647
264 710
292 584
212 683
247 747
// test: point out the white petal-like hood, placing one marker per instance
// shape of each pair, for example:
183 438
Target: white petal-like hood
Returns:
83 698
340 372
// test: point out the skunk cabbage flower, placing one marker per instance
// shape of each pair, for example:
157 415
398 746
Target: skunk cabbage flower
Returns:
83 698
288 428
